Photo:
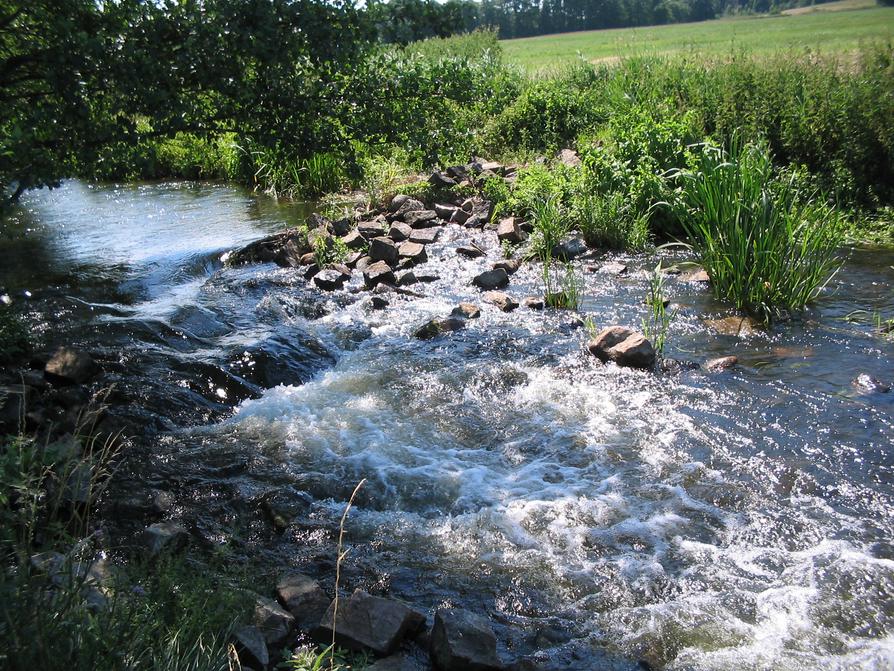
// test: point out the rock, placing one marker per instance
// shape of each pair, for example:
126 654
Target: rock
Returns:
569 157
533 303
303 597
284 249
354 240
366 622
445 212
458 172
569 249
164 537
466 311
439 180
307 259
463 641
480 165
413 252
435 327
406 279
352 258
251 646
509 265
273 621
317 221
472 251
363 263
721 363
460 216
866 383
371 229
331 279
341 226
311 270
383 249
424 236
399 662
319 237
623 346
422 219
491 279
377 273
408 206
399 200
399 231
696 276
508 230
612 268
734 325
379 303
70 366
503 301
428 277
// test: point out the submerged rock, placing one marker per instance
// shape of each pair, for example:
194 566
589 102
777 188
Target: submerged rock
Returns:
70 366
734 325
367 622
867 383
721 363
284 249
491 279
463 641
435 327
624 346
533 303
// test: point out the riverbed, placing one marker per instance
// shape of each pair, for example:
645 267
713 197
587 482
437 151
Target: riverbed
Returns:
597 515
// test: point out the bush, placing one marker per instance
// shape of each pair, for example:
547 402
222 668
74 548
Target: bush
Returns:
765 245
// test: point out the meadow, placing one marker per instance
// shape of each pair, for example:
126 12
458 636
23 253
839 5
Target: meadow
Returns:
836 28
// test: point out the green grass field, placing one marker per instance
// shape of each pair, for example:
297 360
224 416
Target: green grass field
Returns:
823 30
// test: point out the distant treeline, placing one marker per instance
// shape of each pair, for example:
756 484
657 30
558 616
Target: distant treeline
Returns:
404 21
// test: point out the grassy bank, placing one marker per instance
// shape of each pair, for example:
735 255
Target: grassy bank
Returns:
798 33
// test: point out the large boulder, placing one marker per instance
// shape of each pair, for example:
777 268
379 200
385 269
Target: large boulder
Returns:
491 279
70 366
463 641
624 346
383 249
366 622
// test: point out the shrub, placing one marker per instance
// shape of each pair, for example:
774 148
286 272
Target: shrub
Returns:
765 245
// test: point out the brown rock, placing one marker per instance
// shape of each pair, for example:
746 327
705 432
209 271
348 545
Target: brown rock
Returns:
383 249
503 301
721 363
70 366
366 622
508 230
399 231
378 272
466 311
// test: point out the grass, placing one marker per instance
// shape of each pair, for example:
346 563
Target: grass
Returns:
766 245
816 32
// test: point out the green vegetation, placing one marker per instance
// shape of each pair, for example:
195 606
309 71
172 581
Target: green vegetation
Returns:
802 36
765 243
658 321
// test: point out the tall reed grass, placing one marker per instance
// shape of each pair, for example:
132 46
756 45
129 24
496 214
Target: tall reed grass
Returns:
766 245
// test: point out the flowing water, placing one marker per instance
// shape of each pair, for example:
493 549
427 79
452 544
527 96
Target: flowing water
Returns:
597 515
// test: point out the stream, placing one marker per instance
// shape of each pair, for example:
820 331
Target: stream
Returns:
597 515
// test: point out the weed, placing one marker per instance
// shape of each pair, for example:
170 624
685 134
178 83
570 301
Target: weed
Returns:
339 558
657 323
